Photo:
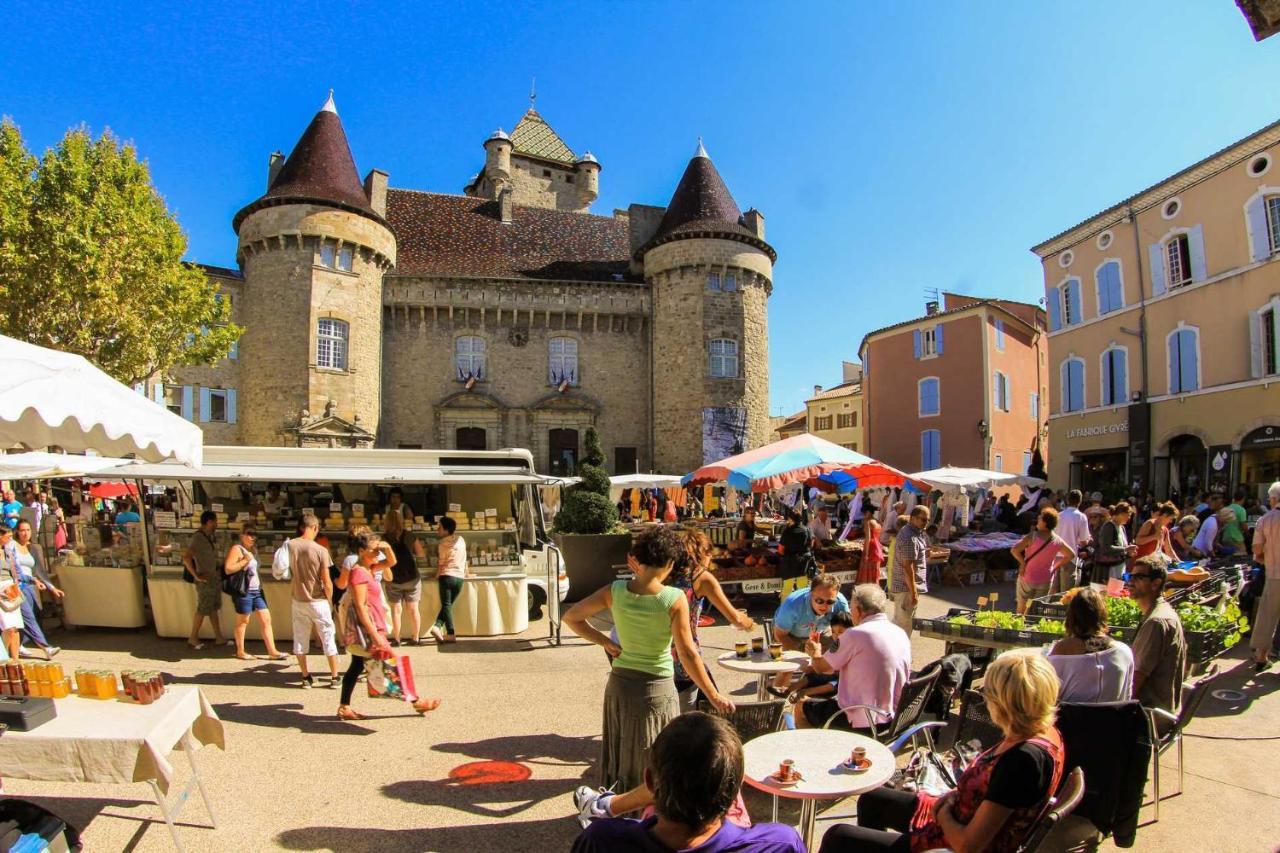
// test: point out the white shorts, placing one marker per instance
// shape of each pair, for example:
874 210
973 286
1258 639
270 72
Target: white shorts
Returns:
305 615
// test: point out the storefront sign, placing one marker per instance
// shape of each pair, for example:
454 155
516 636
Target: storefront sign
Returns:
1262 438
1102 429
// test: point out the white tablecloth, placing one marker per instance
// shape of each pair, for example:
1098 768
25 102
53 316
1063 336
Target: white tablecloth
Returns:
106 740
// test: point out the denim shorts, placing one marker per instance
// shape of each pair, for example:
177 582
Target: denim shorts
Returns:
251 602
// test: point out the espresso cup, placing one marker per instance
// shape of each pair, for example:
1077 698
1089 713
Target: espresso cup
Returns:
787 770
757 644
775 651
740 648
859 754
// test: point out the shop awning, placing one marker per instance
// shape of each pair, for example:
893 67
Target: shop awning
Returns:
334 465
951 479
54 399
40 465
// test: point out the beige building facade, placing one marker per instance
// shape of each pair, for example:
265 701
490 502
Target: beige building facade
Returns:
1164 315
507 316
835 414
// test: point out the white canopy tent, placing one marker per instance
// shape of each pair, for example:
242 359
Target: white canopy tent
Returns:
642 481
39 465
51 398
951 479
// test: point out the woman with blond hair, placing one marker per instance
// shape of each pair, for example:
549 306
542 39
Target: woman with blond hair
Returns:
1000 794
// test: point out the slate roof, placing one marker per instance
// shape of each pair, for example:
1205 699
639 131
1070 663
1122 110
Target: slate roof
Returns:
452 235
533 136
702 206
320 169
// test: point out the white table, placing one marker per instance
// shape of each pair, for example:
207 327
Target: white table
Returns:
119 741
817 754
763 665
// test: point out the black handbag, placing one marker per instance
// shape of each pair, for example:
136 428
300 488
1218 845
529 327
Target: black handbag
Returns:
236 584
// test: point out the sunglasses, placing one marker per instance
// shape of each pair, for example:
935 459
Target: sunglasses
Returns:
820 601
1133 576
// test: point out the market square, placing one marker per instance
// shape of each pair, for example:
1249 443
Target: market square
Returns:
502 433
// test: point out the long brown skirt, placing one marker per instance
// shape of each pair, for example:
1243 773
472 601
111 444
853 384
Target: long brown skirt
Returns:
637 706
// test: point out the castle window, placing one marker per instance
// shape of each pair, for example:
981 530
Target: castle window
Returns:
468 357
344 259
327 255
331 343
546 173
713 281
730 281
568 179
563 361
723 359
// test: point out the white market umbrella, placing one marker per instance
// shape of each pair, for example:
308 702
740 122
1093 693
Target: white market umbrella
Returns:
49 397
952 479
642 481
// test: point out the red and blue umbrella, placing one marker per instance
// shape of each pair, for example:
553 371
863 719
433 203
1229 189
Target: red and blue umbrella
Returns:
799 459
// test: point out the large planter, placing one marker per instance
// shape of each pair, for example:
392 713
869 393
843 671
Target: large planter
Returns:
592 560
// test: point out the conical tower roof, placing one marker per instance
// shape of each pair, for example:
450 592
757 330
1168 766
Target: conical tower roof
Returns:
702 206
533 136
320 170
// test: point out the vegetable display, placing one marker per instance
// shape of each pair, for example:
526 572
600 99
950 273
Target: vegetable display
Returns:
1123 613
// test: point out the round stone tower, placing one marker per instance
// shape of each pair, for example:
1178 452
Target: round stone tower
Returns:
710 274
313 251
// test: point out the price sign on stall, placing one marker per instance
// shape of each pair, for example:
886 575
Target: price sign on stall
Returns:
335 506
455 507
217 508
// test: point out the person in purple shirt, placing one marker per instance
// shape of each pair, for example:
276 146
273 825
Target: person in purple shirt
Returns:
695 771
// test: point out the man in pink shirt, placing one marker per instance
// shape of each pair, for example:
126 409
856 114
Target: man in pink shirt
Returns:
873 659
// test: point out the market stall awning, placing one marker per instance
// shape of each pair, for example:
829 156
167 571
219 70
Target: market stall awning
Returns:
51 398
951 479
338 465
847 480
642 481
113 490
798 459
40 465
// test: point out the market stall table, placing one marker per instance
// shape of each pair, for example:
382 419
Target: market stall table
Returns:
119 741
761 664
818 755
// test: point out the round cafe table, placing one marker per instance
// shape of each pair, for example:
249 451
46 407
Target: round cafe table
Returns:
763 665
817 754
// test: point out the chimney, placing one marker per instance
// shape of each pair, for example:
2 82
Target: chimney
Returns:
931 307
817 389
506 205
274 163
375 189
754 222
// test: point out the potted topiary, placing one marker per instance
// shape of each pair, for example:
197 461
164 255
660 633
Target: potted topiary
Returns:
587 532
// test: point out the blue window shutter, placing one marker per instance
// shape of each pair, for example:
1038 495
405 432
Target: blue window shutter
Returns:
1255 214
1106 377
924 451
999 334
1104 292
1117 287
1199 265
204 405
1120 393
937 338
1055 310
1074 306
937 448
1187 359
1158 278
231 405
915 342
157 393
188 403
1175 364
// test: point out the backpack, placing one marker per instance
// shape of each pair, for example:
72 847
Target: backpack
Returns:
280 562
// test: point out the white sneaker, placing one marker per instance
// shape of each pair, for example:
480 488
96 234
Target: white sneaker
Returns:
592 804
436 634
24 652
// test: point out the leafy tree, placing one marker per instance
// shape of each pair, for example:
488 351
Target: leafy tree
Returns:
91 260
587 506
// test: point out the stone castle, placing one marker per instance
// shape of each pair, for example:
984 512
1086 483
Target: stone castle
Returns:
508 316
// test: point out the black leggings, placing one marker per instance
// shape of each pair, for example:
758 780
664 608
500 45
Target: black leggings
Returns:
349 679
884 816
450 589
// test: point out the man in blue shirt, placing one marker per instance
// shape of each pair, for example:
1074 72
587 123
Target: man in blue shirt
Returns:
12 509
695 772
807 610
126 515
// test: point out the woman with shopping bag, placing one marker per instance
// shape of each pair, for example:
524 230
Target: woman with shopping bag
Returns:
365 623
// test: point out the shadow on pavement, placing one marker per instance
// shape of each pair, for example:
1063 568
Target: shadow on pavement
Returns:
495 800
291 716
552 749
262 674
484 646
554 834
81 811
1242 677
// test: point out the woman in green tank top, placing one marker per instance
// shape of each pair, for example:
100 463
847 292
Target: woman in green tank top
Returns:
640 698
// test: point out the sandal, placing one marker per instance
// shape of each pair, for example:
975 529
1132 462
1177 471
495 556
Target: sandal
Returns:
422 706
348 715
246 657
278 656
198 647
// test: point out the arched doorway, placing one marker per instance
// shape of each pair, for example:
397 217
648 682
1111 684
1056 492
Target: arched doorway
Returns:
1188 461
1260 460
562 452
471 438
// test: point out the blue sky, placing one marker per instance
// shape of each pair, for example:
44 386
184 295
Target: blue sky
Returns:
892 147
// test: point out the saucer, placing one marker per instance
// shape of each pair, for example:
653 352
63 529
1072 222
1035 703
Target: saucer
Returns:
857 768
785 783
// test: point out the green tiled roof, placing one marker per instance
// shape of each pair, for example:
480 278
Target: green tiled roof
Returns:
533 136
